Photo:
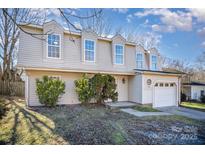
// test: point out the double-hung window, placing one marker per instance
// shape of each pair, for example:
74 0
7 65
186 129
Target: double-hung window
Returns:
154 62
119 54
89 50
53 46
139 60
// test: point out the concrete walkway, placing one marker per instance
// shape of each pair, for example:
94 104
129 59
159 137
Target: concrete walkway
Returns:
190 113
143 114
114 105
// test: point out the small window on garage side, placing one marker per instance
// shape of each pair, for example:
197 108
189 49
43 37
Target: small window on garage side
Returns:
166 84
161 84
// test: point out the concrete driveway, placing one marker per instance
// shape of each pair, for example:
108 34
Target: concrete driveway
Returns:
190 113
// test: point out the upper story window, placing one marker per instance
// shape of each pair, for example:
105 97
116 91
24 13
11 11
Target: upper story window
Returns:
154 62
53 46
139 60
119 54
89 50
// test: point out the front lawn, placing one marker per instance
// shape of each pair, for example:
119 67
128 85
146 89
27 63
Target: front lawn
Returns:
93 124
193 105
145 108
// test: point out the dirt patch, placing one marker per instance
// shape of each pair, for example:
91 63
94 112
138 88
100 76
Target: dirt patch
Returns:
94 124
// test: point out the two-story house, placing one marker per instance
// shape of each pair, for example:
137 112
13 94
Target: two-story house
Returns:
68 55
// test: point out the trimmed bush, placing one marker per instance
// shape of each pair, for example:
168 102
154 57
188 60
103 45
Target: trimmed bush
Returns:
83 89
109 90
49 90
99 87
104 88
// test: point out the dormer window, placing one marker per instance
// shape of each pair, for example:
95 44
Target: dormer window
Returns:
119 54
53 46
154 62
139 60
89 51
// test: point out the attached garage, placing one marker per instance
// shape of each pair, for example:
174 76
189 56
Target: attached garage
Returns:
165 94
158 88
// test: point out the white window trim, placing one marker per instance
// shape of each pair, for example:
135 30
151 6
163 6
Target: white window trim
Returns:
143 60
59 47
123 53
151 62
89 61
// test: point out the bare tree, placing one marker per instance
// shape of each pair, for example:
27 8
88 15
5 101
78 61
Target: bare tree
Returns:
11 21
200 60
100 25
200 67
9 34
148 40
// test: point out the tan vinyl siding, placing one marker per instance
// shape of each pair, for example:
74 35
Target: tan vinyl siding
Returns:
70 96
32 53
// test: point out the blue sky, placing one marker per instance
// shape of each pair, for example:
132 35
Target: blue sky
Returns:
181 32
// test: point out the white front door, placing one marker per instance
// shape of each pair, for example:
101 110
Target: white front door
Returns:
165 94
122 87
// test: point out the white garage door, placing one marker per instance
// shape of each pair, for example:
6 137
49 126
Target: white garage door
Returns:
164 94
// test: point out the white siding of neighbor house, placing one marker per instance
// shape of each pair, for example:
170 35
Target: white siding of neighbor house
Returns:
196 92
70 96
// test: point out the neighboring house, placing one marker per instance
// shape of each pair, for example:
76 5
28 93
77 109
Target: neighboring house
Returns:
68 55
194 90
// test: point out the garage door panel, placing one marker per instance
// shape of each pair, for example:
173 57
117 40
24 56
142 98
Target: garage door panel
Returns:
164 96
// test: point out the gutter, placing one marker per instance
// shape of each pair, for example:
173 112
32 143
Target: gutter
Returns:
75 71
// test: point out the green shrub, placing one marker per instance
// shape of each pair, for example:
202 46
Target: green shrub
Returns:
83 89
104 88
203 99
109 90
49 90
99 87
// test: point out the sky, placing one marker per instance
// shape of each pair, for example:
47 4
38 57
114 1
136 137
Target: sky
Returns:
180 32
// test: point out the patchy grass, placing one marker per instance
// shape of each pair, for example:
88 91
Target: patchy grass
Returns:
23 126
92 124
118 138
193 105
145 108
3 108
